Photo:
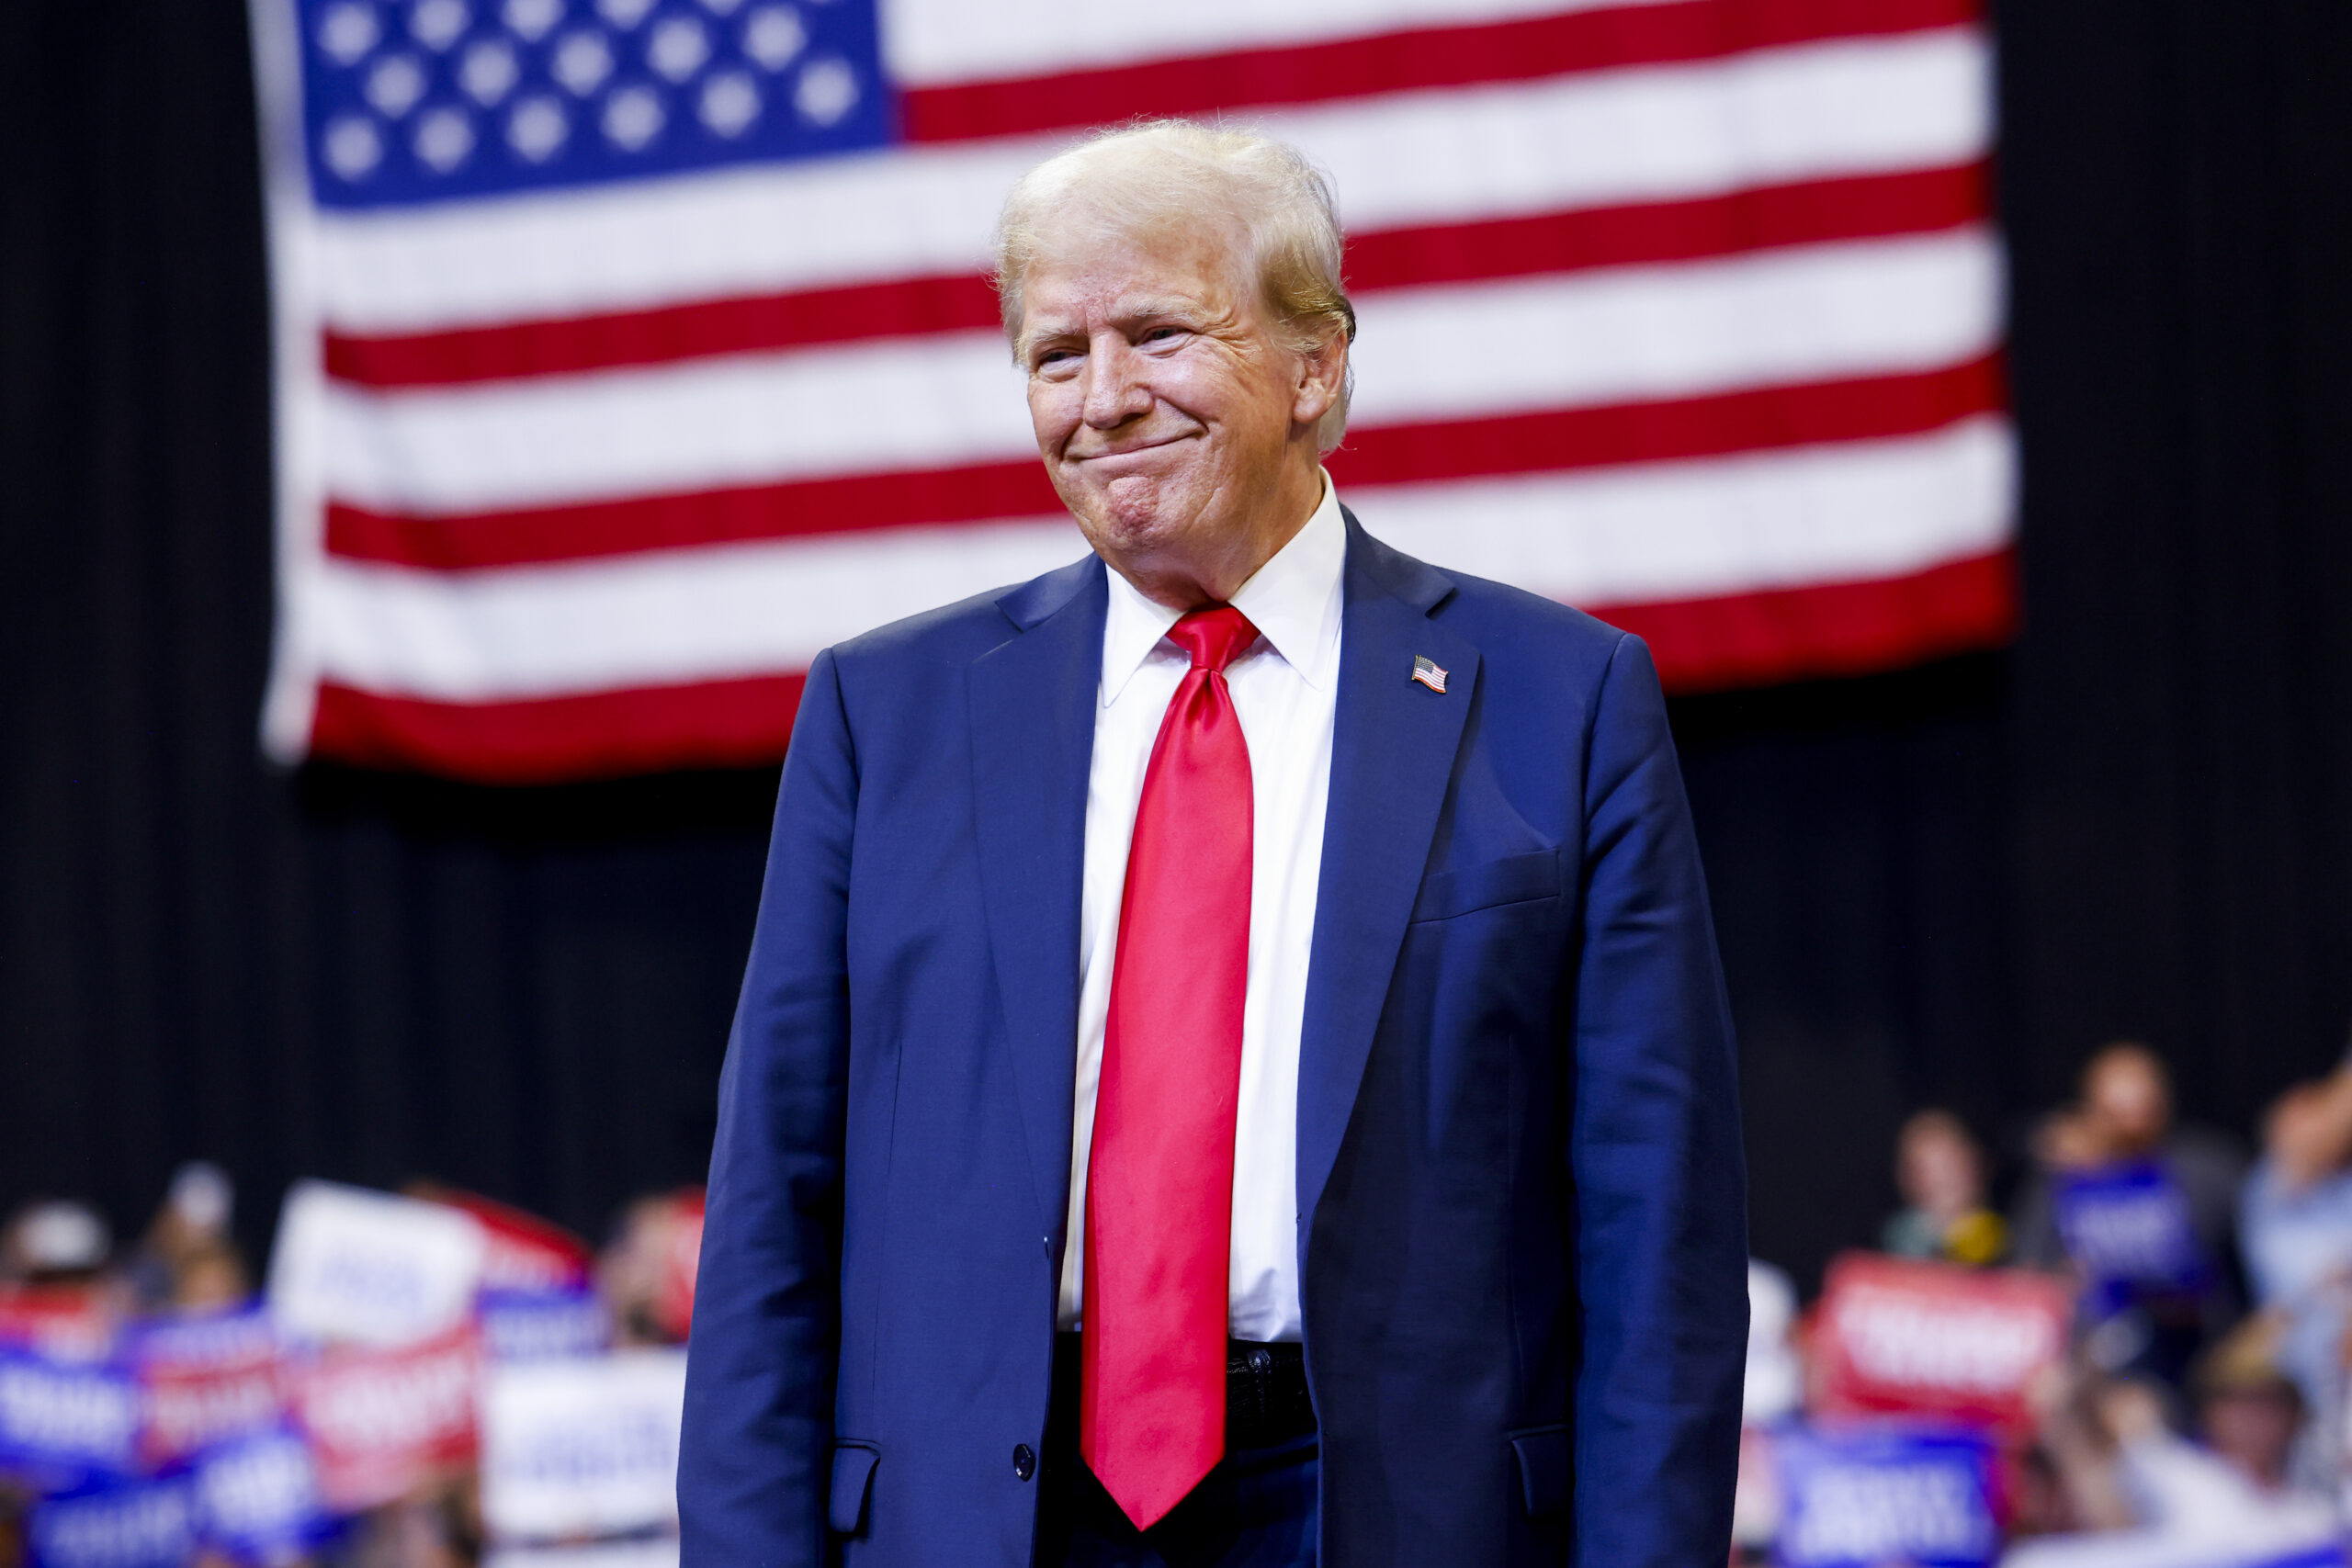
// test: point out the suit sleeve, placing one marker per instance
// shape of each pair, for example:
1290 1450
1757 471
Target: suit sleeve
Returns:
755 1453
1660 1183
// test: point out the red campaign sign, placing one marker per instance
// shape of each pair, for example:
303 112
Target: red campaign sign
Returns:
69 1322
1895 1336
523 1252
200 1383
380 1422
681 1260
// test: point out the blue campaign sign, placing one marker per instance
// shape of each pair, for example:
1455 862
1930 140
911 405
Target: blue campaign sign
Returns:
524 1325
257 1498
203 1341
65 1419
2128 1228
419 100
114 1523
1862 1496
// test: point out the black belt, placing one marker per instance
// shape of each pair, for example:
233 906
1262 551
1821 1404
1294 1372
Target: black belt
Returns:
1266 1400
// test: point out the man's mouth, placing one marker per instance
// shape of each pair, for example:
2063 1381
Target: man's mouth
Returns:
1130 450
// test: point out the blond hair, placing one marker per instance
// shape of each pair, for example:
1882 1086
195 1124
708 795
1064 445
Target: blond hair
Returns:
1171 174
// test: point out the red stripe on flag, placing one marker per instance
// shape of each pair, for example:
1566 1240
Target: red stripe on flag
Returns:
1810 414
1864 207
1416 59
1821 412
1699 644
901 308
716 724
1765 217
1827 630
704 517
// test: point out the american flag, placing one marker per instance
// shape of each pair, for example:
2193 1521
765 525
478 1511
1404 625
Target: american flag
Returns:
630 351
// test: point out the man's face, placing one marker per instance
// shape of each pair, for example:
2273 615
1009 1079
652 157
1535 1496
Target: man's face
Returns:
2127 1096
1163 404
2254 1429
1940 1173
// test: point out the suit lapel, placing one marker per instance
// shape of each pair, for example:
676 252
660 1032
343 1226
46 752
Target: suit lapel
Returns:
1393 748
1032 741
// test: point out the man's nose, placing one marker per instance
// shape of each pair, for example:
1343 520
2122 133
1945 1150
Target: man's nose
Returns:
1114 388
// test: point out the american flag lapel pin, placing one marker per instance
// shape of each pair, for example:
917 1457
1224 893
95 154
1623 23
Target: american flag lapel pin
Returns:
1428 673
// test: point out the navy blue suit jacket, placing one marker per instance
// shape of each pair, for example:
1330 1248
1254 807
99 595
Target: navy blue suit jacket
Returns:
1521 1201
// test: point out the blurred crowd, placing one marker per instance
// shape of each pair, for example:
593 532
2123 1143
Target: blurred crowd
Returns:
422 1380
2139 1360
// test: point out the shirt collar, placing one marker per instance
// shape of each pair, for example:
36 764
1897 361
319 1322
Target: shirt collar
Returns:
1293 600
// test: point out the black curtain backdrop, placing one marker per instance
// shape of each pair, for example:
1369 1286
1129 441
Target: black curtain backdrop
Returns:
1940 886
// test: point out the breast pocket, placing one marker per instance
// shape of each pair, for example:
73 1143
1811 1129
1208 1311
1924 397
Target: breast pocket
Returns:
1513 879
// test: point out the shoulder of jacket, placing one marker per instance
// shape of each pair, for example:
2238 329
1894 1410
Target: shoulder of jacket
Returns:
951 635
1512 623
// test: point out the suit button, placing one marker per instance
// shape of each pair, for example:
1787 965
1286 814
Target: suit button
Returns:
1261 1359
1024 1461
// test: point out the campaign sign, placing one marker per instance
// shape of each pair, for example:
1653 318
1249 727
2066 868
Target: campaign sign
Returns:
2289 1535
1894 1335
2127 1227
205 1378
582 1448
63 1419
69 1323
382 1421
257 1498
1875 1494
521 1252
371 1268
524 1325
655 1553
118 1523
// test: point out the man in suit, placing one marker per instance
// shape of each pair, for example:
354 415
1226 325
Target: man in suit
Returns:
1233 1067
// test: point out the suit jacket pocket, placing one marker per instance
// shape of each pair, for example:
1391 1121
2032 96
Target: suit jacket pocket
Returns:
1514 879
853 1479
1542 1467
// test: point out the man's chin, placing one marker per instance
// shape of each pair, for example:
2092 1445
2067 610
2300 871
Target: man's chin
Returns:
1131 511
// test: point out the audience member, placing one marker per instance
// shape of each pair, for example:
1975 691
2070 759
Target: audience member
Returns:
2297 1235
2141 1211
1939 1170
2248 1410
2122 1463
632 1271
211 1279
2125 1116
54 1242
186 1259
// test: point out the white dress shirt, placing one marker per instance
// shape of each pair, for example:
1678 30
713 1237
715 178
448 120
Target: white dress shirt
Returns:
1285 688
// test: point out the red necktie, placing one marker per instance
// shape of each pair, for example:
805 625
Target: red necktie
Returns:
1159 1180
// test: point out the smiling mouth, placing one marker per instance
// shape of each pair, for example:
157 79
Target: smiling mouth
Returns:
1139 448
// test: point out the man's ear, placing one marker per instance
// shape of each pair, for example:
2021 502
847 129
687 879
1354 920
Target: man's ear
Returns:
1322 372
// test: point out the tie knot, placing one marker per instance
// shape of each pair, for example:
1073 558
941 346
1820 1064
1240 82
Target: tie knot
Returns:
1214 636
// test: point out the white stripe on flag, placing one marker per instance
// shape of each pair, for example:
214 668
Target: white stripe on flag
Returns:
1769 520
1653 532
1805 313
1815 111
1808 313
929 41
